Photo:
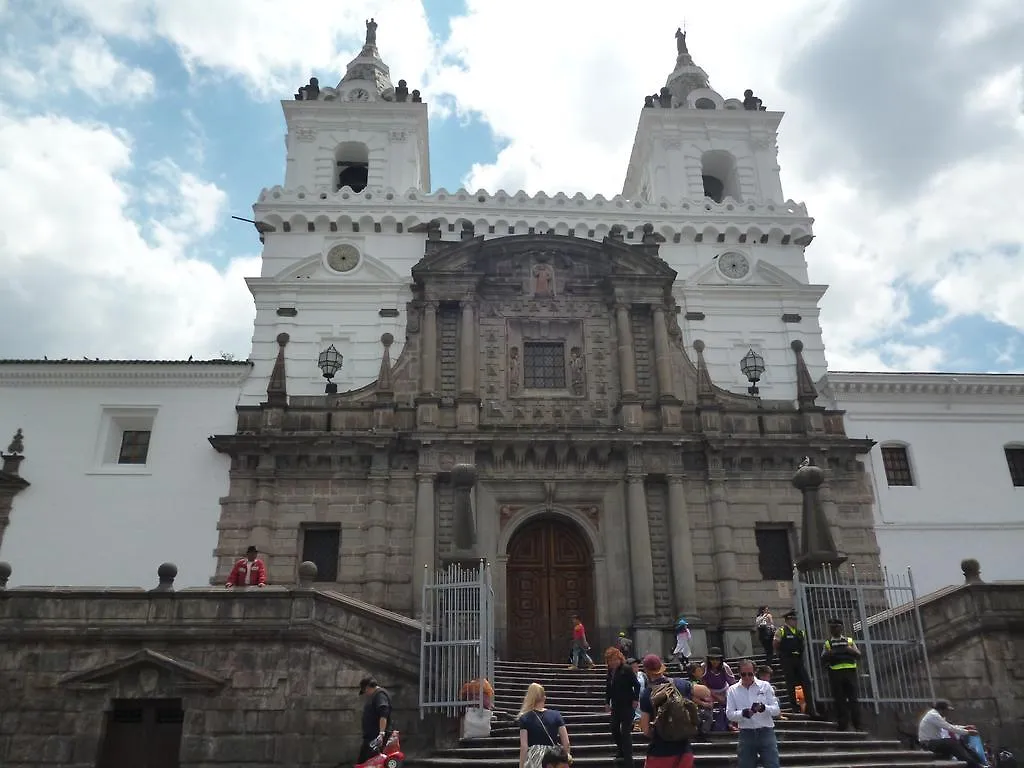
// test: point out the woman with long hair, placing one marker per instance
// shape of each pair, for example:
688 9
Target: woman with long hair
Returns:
622 695
764 623
540 728
718 677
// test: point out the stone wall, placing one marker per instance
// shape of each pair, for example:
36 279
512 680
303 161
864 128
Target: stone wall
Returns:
266 677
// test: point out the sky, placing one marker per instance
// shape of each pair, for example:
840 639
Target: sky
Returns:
132 130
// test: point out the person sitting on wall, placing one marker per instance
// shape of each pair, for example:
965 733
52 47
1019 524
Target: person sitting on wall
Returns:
248 571
938 735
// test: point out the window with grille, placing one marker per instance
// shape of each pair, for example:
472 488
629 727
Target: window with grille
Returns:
321 545
774 553
1015 461
544 365
134 446
897 465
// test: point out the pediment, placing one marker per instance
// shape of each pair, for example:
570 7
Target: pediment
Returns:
762 273
369 270
516 255
147 671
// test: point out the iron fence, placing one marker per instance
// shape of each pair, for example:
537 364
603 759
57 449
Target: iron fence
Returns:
881 613
457 641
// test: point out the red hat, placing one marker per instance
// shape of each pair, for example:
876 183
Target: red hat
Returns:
653 663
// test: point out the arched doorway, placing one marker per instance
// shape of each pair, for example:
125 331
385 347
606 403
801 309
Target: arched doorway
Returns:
549 577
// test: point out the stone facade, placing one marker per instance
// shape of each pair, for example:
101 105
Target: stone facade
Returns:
263 678
664 476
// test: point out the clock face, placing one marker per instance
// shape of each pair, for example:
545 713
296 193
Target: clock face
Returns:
733 265
359 94
343 258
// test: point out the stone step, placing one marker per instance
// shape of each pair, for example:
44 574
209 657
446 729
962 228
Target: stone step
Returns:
510 737
874 759
790 723
499 747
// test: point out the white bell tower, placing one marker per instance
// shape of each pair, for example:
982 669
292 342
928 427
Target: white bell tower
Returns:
363 133
691 143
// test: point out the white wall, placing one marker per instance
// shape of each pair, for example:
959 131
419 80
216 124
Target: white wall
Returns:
84 522
963 503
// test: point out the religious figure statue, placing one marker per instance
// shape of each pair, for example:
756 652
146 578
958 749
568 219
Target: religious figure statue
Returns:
576 370
681 41
751 102
371 32
513 370
543 280
309 92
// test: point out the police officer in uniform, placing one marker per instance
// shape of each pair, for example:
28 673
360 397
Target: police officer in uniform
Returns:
791 646
840 655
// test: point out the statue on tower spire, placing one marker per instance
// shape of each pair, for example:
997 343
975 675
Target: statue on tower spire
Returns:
371 32
681 41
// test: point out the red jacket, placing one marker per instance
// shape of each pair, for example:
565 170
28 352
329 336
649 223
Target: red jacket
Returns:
257 574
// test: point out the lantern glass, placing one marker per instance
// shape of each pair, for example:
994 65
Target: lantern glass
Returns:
330 361
752 366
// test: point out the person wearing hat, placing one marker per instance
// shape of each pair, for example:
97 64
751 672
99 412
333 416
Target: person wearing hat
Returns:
248 571
718 677
624 644
936 734
791 646
662 753
840 655
682 649
376 718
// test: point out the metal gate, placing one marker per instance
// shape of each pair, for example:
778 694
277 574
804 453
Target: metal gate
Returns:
457 641
882 615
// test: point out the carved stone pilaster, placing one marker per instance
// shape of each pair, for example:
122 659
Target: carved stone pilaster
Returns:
376 552
428 350
684 572
424 538
723 548
641 561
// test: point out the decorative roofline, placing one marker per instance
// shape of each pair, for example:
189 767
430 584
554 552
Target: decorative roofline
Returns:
149 373
387 210
863 385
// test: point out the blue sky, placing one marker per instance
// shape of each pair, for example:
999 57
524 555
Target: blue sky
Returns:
131 130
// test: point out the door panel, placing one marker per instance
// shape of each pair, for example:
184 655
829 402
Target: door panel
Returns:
550 576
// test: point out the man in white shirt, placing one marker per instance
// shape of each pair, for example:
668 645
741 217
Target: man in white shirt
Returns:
930 734
751 703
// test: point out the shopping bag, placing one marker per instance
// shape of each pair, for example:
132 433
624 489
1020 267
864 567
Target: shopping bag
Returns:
476 723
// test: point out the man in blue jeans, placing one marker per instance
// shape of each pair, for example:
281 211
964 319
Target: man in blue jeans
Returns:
751 704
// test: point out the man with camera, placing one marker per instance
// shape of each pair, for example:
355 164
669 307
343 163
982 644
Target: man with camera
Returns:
751 704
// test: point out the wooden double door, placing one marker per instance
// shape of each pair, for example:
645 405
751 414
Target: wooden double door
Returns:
142 733
549 577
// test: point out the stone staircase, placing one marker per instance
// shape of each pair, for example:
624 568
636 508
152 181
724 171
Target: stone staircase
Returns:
578 695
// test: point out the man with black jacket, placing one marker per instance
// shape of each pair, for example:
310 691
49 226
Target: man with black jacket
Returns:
376 718
622 695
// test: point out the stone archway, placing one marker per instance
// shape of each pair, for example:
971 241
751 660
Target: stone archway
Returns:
549 577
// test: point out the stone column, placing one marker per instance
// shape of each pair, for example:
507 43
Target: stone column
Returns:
376 552
262 519
467 354
627 359
423 547
662 354
428 349
724 556
684 574
641 562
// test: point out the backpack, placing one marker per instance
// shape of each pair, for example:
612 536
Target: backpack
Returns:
676 717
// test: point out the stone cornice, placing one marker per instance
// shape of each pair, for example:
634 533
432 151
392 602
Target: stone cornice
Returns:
843 385
110 373
687 221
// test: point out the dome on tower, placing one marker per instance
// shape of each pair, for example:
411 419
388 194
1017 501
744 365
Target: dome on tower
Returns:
367 77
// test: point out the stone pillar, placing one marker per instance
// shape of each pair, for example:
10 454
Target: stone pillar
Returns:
724 557
376 552
263 518
423 546
684 574
641 562
662 354
627 359
428 349
467 353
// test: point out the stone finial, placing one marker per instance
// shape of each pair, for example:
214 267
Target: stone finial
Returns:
705 388
17 445
416 98
277 387
806 392
972 571
650 237
5 574
166 574
468 230
402 92
817 545
307 573
385 384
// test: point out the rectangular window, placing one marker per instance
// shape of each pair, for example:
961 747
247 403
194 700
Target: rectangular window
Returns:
544 365
1015 461
134 446
322 545
774 553
897 465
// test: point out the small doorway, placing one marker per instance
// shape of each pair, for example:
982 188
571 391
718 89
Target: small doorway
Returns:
549 577
142 733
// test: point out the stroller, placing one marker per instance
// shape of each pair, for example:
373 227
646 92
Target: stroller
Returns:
390 756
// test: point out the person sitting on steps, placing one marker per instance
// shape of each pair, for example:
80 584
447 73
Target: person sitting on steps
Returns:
938 735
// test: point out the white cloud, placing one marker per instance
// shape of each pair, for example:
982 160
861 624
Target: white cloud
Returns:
83 63
81 274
